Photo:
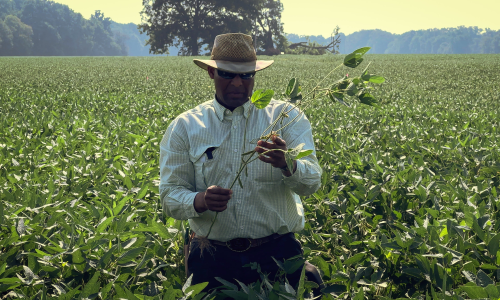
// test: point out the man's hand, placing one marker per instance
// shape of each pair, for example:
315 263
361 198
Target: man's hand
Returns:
214 198
275 158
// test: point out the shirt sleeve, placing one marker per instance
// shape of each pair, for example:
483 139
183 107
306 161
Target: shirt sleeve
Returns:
306 179
177 179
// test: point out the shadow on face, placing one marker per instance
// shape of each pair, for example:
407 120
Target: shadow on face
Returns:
231 93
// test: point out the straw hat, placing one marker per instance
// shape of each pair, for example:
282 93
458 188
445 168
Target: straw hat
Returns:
234 52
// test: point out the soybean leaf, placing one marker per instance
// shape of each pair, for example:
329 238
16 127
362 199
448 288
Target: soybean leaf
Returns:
368 99
356 57
372 78
129 255
494 244
303 153
195 289
483 279
301 289
261 98
334 288
227 283
291 87
296 151
474 292
335 97
354 259
91 287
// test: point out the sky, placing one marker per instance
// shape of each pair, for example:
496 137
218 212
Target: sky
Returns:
320 17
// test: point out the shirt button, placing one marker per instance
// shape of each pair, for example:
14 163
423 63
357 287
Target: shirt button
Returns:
235 150
227 112
234 126
241 227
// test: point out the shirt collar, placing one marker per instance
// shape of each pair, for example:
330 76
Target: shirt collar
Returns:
221 110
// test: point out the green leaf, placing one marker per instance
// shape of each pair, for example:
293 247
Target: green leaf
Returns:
360 295
368 99
291 87
338 97
227 283
483 279
130 255
494 244
261 98
196 289
493 291
356 57
303 153
104 224
92 286
291 266
301 289
142 192
334 288
10 280
475 292
372 78
120 205
354 259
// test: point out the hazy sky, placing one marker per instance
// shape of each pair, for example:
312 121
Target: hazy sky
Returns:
319 17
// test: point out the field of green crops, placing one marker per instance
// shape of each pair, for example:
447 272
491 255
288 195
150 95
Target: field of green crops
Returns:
409 206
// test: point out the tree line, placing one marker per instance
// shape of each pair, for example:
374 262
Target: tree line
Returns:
460 40
42 27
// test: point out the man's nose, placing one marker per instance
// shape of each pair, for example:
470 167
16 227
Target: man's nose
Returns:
236 81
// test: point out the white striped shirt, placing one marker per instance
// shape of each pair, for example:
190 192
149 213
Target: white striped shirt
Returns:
269 201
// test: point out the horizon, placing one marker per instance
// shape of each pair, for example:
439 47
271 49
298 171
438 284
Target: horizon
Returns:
394 16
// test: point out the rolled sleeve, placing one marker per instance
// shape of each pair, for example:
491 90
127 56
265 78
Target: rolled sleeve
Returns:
306 179
177 179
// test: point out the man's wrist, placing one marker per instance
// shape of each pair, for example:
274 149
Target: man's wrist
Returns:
199 203
287 172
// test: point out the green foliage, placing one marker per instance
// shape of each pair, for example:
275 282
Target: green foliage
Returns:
261 98
408 208
40 27
171 23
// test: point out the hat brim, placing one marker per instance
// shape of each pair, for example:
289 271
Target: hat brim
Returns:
234 67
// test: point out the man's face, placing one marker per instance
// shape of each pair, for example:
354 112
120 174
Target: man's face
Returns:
231 92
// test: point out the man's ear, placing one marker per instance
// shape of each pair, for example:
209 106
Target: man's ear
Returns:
211 72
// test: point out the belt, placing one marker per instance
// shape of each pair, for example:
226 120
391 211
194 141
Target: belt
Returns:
244 244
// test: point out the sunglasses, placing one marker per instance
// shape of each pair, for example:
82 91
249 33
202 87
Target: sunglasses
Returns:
229 75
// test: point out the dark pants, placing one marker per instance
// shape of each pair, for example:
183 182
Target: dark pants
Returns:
228 264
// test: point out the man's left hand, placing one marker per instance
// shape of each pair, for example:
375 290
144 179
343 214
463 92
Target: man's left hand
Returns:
275 158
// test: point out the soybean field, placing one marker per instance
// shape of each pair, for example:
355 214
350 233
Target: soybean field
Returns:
409 205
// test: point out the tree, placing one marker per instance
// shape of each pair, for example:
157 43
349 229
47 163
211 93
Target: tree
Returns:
21 37
6 8
5 38
192 24
268 28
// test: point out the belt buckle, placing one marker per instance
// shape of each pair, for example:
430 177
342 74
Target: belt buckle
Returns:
239 244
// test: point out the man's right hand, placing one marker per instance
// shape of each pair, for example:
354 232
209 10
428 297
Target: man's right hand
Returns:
214 198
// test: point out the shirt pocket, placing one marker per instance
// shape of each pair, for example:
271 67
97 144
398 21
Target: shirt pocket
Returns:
209 171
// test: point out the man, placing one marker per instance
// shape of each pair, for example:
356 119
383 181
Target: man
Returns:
200 155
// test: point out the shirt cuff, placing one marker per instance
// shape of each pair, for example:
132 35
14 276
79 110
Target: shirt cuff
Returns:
188 206
295 178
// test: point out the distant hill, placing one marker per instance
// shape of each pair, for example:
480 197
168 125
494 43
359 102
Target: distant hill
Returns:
459 40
